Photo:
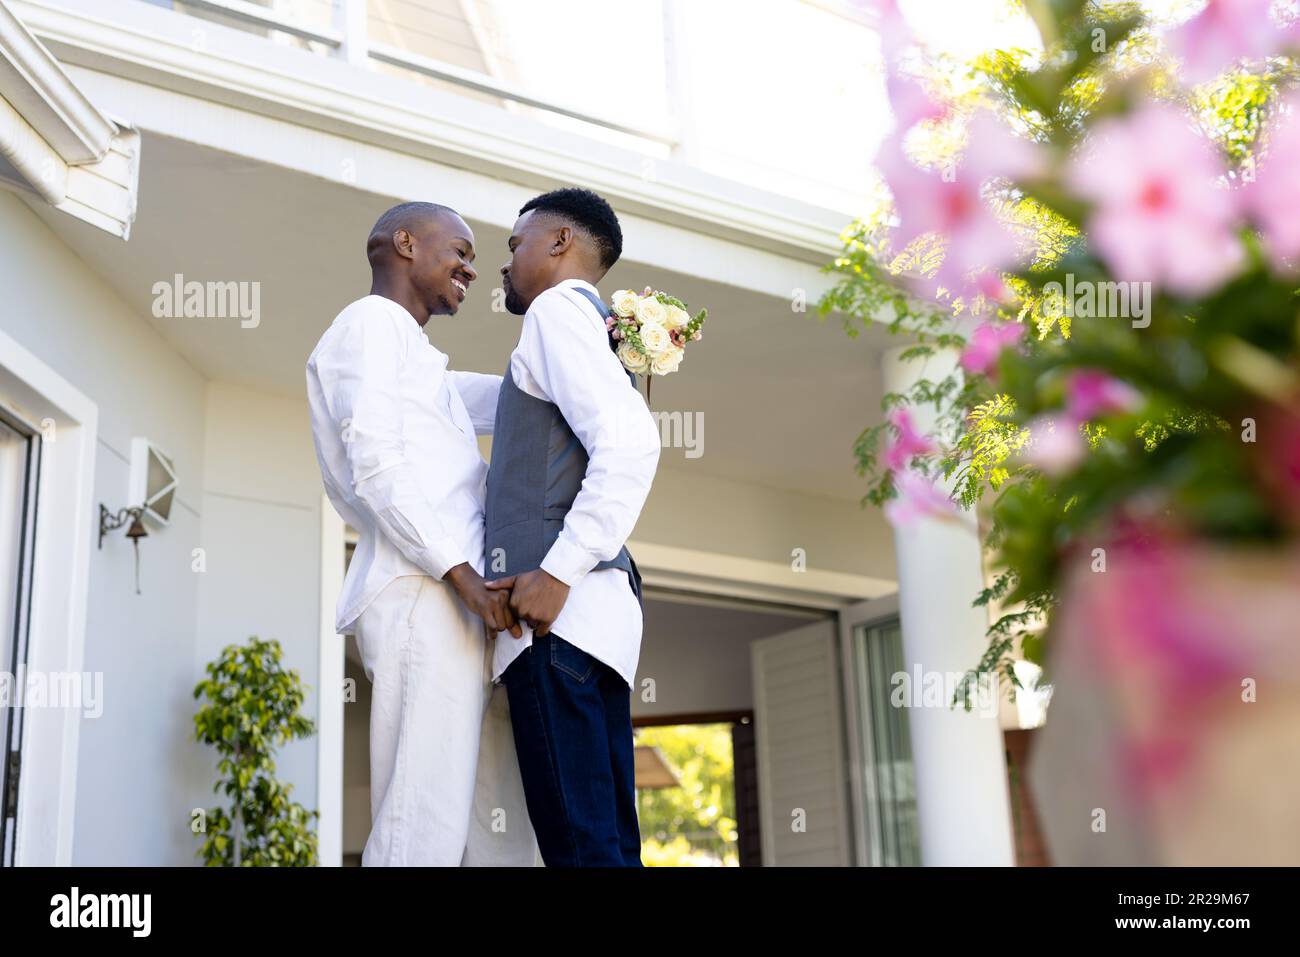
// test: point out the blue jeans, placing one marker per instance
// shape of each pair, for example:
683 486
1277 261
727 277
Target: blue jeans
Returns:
572 720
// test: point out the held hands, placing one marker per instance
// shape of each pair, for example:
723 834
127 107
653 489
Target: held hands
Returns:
493 606
536 597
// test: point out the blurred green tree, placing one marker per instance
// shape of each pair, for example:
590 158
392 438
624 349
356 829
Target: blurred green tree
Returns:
693 824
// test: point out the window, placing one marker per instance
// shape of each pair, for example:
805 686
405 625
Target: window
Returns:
890 787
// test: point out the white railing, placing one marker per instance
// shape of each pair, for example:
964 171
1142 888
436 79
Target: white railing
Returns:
252 13
348 39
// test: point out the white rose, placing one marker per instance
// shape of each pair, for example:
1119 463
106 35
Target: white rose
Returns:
655 338
650 309
668 362
625 303
633 359
677 318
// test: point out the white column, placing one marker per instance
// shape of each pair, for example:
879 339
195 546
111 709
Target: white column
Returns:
963 804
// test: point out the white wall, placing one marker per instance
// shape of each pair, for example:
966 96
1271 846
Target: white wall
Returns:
692 510
261 538
249 497
138 771
698 656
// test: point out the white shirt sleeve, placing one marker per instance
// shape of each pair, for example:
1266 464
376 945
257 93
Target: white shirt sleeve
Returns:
359 370
567 356
479 392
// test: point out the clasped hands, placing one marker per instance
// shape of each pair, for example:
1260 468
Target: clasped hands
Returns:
534 597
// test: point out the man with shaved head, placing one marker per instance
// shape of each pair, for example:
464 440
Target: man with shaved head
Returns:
395 430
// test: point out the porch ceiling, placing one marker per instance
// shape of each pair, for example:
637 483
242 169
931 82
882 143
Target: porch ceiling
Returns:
784 395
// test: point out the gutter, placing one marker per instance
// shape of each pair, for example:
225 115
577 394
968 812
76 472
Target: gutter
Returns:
55 143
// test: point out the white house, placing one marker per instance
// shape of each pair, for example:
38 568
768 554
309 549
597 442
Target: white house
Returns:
146 144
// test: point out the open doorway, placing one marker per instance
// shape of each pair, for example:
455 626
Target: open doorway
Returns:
687 781
700 681
739 712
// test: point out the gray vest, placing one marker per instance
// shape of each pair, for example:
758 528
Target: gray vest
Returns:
538 465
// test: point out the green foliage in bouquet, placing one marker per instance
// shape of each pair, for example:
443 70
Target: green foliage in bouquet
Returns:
252 707
1209 370
696 322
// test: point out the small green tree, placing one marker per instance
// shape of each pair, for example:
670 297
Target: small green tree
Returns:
251 708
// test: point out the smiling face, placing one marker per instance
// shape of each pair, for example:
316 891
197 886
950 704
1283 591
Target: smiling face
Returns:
531 269
441 263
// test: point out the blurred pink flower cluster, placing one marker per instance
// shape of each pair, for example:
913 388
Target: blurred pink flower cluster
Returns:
1228 33
987 343
918 497
1057 443
1161 205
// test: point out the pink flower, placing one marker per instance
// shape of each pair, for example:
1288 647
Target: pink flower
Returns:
1090 393
910 102
951 208
1055 444
1273 199
950 205
918 498
987 343
895 34
909 444
1160 214
1225 33
992 150
990 286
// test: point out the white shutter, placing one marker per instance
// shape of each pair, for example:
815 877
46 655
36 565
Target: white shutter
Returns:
798 726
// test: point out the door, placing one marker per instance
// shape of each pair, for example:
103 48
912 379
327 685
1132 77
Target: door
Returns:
881 777
799 743
20 453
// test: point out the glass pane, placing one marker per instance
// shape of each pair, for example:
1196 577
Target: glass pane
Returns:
519 44
890 787
13 480
309 14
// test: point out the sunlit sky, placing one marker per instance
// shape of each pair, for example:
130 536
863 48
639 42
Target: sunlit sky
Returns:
785 95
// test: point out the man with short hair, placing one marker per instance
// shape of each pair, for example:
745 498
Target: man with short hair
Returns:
573 456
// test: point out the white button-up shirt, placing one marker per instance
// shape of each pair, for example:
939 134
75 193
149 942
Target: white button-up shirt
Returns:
564 357
394 433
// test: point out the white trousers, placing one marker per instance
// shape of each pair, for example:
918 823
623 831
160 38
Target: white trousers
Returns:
445 787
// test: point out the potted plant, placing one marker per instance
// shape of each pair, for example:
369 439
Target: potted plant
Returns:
252 707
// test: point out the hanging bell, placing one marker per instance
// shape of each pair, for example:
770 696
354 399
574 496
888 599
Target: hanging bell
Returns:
135 533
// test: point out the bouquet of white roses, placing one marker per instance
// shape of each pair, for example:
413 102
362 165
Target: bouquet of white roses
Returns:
651 330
